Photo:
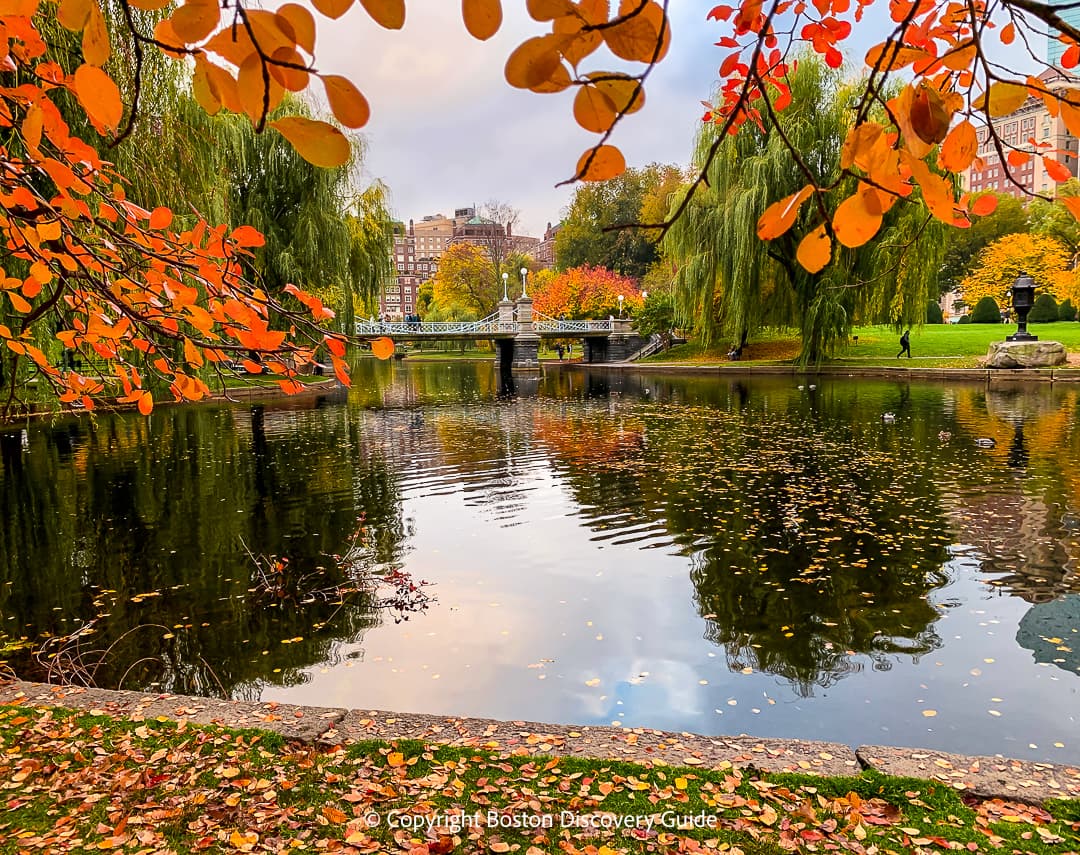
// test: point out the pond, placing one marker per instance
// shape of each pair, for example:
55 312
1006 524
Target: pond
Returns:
695 553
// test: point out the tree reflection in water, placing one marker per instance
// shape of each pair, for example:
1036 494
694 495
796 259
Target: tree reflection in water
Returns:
96 523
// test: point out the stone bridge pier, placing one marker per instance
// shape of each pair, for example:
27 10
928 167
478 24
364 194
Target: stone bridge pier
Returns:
617 347
520 354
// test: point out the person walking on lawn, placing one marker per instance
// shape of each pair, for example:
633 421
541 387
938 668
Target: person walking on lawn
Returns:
905 345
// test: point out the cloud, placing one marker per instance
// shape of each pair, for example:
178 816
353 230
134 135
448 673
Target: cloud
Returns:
448 131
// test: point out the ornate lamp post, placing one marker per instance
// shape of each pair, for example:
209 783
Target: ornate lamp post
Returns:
1023 298
621 298
506 276
524 273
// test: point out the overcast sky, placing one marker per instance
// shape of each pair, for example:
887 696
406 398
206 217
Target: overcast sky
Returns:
447 130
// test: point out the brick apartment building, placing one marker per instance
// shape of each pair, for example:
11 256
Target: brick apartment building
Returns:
419 246
1032 121
545 252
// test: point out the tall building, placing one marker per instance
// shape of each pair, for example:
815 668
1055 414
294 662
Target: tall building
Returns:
1054 47
419 246
545 253
1027 129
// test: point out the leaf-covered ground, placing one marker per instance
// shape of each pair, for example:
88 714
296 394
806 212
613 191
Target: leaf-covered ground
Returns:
84 783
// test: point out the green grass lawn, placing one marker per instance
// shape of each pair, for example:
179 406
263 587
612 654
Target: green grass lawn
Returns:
87 783
954 343
932 346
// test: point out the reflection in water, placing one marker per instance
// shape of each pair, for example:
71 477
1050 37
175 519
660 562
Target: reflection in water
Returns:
688 552
145 520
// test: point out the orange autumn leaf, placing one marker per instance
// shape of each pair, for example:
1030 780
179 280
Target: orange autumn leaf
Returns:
1072 203
146 403
347 103
482 17
533 62
161 218
196 19
1056 169
593 110
929 116
95 42
815 250
780 216
298 24
985 205
1018 158
333 8
856 220
99 96
382 348
601 163
386 13
959 148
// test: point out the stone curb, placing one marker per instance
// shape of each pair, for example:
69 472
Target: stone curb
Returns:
295 723
983 777
640 745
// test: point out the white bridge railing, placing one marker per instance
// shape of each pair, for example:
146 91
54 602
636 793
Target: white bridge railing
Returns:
485 326
545 323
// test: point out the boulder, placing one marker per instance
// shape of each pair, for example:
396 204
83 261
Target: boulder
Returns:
1026 354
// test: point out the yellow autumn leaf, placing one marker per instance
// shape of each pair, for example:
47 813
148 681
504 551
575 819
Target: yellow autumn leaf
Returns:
317 142
1004 98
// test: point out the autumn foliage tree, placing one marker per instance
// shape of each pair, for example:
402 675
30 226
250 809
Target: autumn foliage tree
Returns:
465 278
1045 259
586 292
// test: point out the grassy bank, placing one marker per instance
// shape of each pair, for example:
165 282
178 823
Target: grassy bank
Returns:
932 346
82 783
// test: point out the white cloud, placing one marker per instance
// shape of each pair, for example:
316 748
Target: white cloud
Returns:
447 130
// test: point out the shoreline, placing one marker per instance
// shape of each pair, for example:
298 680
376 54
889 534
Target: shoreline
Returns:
989 376
984 777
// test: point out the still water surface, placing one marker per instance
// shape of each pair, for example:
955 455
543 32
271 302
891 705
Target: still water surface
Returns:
687 553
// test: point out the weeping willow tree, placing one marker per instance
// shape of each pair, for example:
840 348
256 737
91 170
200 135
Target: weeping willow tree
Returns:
324 231
729 283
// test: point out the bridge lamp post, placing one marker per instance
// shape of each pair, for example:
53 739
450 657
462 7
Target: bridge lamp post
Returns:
524 272
506 276
621 298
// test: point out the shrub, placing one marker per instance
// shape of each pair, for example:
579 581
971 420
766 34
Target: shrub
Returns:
933 313
1067 311
964 319
1044 311
986 311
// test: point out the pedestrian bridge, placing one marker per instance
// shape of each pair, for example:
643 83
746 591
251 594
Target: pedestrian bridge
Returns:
486 328
517 331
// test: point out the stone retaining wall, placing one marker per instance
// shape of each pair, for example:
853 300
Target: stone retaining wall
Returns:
988 376
986 777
